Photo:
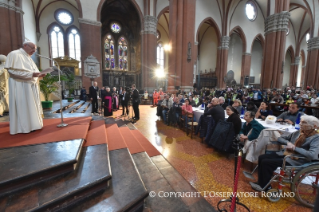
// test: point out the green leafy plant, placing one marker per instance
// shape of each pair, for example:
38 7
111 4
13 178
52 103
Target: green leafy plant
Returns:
50 84
69 78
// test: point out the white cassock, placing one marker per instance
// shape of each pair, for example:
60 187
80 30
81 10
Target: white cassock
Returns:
25 108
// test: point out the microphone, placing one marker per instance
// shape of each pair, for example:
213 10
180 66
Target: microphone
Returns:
53 67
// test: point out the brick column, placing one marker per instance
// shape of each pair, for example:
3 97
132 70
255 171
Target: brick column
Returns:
11 25
149 41
245 67
312 67
276 27
90 32
222 58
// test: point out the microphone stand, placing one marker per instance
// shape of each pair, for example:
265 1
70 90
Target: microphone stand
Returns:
60 89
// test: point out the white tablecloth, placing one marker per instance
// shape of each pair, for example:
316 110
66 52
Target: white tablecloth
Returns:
283 128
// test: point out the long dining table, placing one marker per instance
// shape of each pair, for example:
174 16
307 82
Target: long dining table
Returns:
284 128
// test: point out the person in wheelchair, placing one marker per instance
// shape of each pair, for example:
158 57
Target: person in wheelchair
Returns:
302 143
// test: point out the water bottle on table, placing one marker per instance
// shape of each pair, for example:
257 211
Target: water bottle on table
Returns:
297 124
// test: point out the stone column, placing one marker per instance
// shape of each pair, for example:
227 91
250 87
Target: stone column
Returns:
222 61
149 52
91 45
276 27
11 25
245 67
312 68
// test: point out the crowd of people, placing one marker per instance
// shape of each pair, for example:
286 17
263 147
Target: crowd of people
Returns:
249 104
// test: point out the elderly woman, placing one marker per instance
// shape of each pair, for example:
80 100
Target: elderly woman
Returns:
304 143
251 128
233 116
238 105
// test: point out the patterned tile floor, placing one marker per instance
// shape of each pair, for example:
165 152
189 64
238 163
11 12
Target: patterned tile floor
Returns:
206 170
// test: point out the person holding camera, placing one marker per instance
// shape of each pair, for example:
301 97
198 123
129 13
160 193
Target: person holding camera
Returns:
135 101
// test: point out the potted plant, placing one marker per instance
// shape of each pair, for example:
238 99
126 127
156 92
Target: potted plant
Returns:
49 84
70 84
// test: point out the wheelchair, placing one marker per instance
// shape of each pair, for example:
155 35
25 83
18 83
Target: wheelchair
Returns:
303 181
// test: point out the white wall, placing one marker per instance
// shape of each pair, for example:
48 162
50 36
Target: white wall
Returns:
140 3
208 51
160 5
250 28
29 21
205 9
46 19
89 9
299 73
286 70
256 61
290 39
235 53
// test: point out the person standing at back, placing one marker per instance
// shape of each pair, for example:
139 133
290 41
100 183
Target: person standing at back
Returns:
135 102
93 91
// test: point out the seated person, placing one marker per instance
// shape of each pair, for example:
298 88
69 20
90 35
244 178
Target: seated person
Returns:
166 106
233 116
145 95
237 105
304 143
263 111
191 101
291 115
175 111
181 99
251 107
222 102
186 108
278 98
251 129
290 100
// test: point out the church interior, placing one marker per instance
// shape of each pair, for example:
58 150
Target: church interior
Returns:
115 164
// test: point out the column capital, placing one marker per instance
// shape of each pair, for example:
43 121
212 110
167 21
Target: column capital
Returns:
297 61
150 25
224 42
313 43
12 7
89 22
277 22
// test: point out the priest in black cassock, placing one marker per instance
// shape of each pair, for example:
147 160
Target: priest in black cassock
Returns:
108 110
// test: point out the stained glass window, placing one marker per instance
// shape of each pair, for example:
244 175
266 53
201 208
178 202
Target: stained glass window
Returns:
307 37
75 45
57 42
122 51
158 35
115 28
251 11
160 55
109 52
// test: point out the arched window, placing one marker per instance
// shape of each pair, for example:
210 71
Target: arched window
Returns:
75 45
307 37
122 54
160 55
56 42
109 52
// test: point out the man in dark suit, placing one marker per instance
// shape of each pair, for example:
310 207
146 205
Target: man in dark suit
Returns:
124 98
93 91
135 101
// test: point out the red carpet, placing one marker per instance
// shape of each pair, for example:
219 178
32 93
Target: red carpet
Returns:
96 134
132 144
77 128
147 146
114 137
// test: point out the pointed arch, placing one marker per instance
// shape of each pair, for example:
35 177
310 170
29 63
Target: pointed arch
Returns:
240 32
164 10
212 22
260 38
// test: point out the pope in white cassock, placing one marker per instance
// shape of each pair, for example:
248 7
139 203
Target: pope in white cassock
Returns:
25 108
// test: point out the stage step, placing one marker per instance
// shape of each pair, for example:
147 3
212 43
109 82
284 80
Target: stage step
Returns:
127 191
24 166
91 176
96 134
179 184
131 142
